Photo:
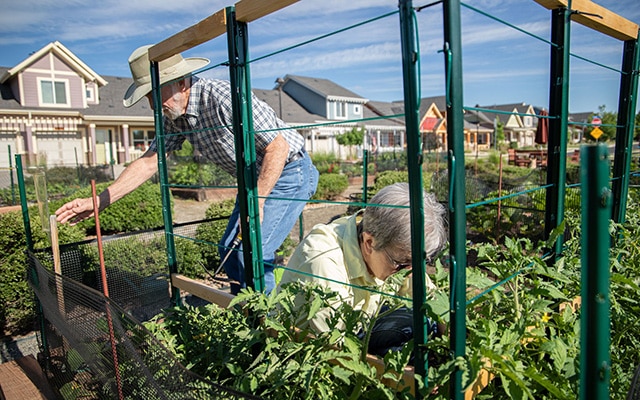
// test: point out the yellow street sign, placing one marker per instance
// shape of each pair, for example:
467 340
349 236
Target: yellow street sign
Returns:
596 133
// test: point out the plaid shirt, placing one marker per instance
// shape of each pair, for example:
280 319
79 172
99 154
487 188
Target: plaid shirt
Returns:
208 125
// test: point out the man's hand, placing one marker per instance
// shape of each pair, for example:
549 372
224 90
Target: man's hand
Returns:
75 211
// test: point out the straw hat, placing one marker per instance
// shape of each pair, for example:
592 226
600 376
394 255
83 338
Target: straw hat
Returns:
172 68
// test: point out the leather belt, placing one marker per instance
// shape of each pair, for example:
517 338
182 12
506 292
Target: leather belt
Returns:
295 157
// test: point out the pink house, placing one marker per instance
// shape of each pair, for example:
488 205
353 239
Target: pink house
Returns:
56 110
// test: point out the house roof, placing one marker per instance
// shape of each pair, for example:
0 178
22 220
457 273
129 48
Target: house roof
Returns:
477 117
326 88
111 101
505 111
292 111
110 104
373 109
581 116
62 52
425 103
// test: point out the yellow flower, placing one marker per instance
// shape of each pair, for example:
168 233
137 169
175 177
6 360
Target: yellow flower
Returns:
545 318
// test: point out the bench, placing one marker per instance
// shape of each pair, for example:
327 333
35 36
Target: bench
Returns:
527 158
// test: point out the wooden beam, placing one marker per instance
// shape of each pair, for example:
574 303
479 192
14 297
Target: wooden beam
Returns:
251 10
596 17
202 290
214 26
205 30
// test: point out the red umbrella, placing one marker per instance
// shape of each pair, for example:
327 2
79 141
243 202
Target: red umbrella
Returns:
542 132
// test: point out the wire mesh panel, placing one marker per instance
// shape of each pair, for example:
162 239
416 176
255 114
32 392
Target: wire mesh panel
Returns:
96 349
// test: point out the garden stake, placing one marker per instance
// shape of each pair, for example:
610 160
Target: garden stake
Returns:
105 289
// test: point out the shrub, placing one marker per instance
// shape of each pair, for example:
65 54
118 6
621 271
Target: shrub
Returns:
330 186
387 178
17 312
194 173
391 161
325 162
139 210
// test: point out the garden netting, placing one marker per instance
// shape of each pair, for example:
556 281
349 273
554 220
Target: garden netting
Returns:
95 347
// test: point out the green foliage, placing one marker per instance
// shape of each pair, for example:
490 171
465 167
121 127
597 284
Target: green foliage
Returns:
254 347
387 178
499 130
391 161
185 152
61 181
526 331
194 173
431 141
353 137
324 161
330 186
139 210
17 312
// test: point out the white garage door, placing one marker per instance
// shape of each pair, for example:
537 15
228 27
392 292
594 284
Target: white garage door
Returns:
60 148
6 140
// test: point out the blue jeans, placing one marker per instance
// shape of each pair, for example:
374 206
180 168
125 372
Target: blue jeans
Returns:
297 183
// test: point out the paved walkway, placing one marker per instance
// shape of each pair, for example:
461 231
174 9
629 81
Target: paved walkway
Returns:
22 379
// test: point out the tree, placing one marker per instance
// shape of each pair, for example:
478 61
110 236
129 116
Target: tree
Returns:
354 137
499 131
431 141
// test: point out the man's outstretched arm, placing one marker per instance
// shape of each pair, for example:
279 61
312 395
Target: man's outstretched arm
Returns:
131 178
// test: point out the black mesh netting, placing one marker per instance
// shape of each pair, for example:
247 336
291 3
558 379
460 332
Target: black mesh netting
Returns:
95 347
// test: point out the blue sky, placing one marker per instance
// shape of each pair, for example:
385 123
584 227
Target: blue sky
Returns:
500 64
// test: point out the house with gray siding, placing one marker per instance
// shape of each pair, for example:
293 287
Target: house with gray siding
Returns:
343 110
56 110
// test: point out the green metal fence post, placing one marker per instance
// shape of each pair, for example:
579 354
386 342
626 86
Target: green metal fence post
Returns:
237 39
410 57
457 211
595 361
172 259
624 134
23 202
558 113
44 345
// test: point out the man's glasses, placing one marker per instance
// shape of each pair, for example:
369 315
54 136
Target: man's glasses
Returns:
397 266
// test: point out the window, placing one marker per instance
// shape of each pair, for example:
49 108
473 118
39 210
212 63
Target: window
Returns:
142 139
356 110
89 92
341 110
53 92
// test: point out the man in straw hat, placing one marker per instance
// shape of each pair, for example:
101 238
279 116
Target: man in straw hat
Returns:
200 111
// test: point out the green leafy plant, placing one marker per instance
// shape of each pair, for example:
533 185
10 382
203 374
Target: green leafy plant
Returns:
353 137
330 186
17 314
139 210
255 346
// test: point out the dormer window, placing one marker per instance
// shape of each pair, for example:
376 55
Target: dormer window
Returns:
53 92
90 93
